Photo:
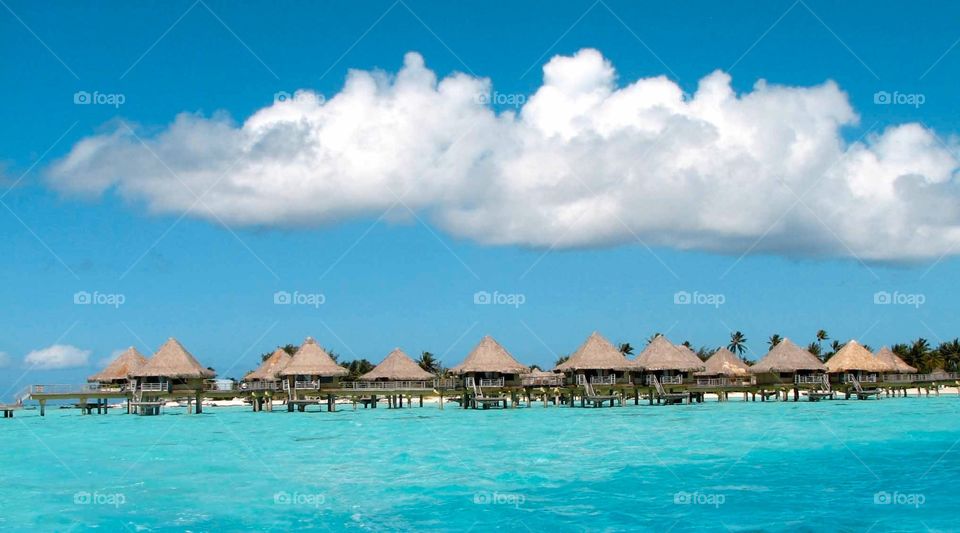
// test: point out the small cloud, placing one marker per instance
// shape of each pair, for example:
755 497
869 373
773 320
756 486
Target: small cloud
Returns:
57 356
4 360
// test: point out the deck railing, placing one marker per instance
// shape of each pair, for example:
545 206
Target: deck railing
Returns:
813 379
665 380
864 378
542 381
727 382
154 387
470 382
388 385
603 380
900 378
260 385
303 385
64 389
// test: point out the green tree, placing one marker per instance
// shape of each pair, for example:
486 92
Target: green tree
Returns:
814 348
774 340
560 360
428 362
626 349
738 343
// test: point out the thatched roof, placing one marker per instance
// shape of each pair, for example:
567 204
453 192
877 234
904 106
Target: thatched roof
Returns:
661 354
398 366
893 363
270 369
172 360
723 362
596 353
853 356
489 356
312 360
787 357
120 368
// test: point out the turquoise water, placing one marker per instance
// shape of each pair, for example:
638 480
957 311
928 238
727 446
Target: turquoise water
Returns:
715 466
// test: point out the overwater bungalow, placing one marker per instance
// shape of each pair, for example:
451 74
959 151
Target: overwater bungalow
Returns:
116 375
490 365
596 362
724 369
171 371
309 370
665 363
397 372
790 365
895 370
854 365
267 375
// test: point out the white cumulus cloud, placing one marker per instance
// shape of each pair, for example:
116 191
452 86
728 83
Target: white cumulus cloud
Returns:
56 357
586 161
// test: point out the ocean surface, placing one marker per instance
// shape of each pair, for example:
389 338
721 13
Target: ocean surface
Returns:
888 465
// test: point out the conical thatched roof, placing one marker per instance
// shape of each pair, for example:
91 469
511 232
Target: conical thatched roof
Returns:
489 356
312 360
787 357
120 368
893 363
661 354
723 362
270 368
596 353
853 356
172 360
397 366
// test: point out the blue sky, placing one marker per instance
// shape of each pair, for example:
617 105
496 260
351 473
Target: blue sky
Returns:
407 280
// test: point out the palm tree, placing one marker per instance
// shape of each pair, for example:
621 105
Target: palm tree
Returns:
822 335
560 360
654 336
687 344
704 353
535 367
626 349
774 340
918 355
428 362
357 368
738 343
950 352
835 347
814 348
